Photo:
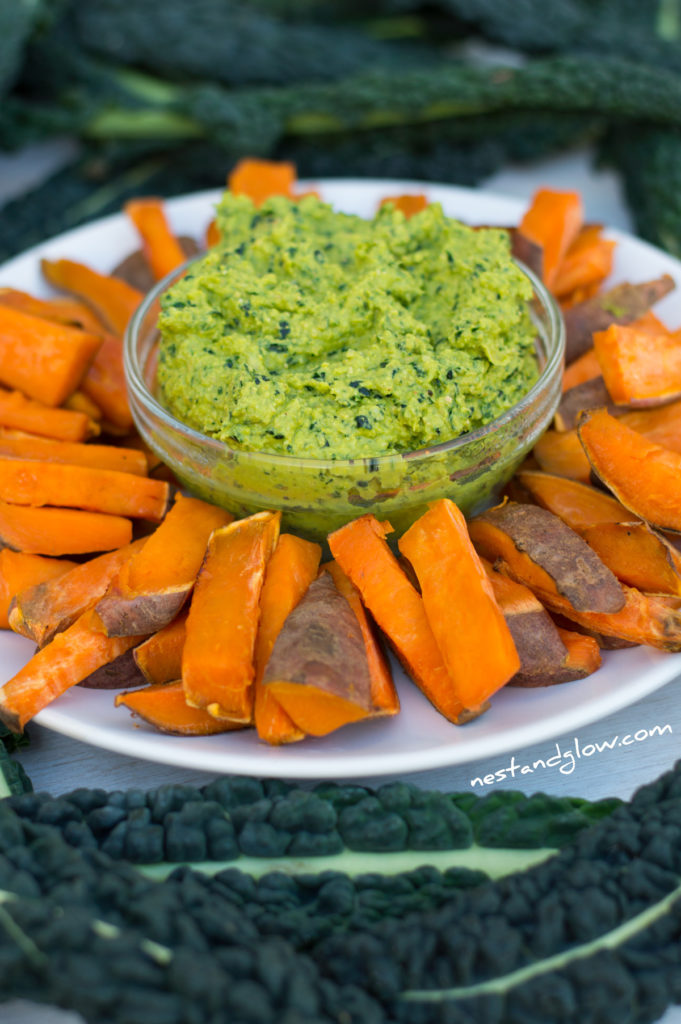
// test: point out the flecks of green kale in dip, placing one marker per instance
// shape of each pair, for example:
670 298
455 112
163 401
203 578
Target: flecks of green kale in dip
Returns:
319 334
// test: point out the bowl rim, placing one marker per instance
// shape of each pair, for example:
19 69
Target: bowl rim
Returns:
136 383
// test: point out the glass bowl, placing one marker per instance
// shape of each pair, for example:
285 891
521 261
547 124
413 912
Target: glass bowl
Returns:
317 496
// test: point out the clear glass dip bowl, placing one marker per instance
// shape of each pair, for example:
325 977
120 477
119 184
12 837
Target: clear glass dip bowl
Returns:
317 496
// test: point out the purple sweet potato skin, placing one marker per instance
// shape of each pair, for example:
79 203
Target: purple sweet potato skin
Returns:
120 674
592 394
577 572
321 645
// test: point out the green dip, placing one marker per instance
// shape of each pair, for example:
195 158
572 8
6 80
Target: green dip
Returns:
318 334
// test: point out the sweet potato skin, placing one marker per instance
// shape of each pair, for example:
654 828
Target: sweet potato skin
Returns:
568 564
116 675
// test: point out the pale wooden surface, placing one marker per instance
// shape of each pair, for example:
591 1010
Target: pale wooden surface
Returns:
58 764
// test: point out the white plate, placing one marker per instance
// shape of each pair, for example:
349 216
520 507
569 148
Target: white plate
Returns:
419 738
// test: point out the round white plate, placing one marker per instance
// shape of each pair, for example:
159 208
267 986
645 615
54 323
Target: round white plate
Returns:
418 738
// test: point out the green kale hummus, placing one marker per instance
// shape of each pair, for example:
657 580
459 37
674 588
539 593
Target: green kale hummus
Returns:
318 334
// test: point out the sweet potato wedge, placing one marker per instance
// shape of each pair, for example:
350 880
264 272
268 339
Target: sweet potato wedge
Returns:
361 550
28 482
43 359
162 250
639 369
61 531
546 555
643 476
71 657
384 698
459 602
17 445
585 368
587 262
20 413
318 670
541 651
149 592
579 505
112 300
19 571
553 221
638 555
42 611
163 706
218 658
159 658
620 305
290 571
134 269
561 453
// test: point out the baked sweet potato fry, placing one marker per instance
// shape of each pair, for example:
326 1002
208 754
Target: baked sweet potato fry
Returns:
561 453
541 651
547 556
163 706
620 305
20 413
587 262
118 674
468 625
218 658
43 359
105 383
27 482
41 611
643 476
585 368
149 591
361 550
579 505
161 248
61 531
384 698
318 670
18 445
70 657
592 394
260 179
290 571
407 203
19 572
553 220
61 310
639 369
112 300
159 658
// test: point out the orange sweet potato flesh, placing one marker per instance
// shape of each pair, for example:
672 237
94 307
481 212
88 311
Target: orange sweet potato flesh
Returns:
80 402
639 368
20 413
61 531
579 505
161 248
62 310
48 608
112 300
159 658
585 368
318 670
19 572
561 453
408 203
105 383
553 220
260 179
584 656
587 262
383 693
289 573
541 651
70 657
546 555
163 706
468 625
218 658
643 476
638 555
15 445
212 234
149 591
361 550
27 482
43 359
